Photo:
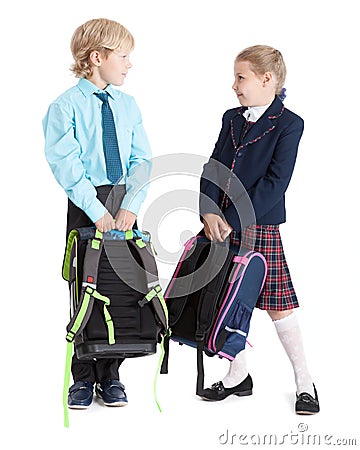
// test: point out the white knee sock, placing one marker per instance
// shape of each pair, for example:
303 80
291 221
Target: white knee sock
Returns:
237 371
290 336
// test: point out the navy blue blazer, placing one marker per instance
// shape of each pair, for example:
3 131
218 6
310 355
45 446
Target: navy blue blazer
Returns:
263 162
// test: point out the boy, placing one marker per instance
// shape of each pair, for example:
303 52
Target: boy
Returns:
94 138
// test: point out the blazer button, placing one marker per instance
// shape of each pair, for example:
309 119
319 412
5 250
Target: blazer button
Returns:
239 154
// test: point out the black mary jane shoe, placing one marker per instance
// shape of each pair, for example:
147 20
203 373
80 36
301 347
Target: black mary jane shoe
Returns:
219 392
306 403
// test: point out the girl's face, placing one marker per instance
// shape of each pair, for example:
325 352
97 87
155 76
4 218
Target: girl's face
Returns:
252 89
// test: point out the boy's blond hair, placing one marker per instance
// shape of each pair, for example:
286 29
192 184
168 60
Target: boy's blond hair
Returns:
263 58
102 35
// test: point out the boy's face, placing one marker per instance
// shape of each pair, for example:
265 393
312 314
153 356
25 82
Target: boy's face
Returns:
251 89
111 69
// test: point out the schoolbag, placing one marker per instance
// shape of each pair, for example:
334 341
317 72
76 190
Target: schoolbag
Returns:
210 300
117 308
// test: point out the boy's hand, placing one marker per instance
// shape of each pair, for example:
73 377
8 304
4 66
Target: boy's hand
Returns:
106 223
216 229
124 220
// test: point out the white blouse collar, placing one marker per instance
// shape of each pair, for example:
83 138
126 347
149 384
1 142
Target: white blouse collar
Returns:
253 113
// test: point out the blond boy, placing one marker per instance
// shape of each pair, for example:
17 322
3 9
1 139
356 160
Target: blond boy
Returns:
94 161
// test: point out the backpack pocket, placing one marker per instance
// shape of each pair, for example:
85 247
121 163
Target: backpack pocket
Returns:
236 330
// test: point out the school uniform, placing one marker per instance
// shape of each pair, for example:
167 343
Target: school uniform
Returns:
73 128
261 153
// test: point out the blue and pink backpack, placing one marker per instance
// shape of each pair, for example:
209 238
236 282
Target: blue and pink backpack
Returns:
210 299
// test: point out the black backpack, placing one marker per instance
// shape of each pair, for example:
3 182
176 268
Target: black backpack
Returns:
116 304
210 300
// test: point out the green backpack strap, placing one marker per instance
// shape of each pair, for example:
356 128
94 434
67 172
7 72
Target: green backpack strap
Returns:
85 304
154 294
89 293
83 313
71 242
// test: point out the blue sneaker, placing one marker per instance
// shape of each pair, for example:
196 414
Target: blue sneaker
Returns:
112 392
80 395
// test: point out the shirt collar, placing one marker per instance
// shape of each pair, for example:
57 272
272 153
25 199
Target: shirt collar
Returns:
88 88
253 113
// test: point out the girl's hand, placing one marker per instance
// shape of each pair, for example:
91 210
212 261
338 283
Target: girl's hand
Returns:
124 220
216 229
106 223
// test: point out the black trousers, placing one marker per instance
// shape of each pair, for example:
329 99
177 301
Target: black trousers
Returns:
104 368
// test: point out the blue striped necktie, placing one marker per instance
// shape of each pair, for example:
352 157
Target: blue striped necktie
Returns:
110 142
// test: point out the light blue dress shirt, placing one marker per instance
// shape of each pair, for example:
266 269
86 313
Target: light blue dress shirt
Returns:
74 149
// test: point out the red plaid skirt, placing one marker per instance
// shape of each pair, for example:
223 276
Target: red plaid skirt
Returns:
278 292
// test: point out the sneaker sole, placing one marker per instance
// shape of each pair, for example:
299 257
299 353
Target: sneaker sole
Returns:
120 403
78 406
116 404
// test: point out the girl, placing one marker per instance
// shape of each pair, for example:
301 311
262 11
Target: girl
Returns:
259 143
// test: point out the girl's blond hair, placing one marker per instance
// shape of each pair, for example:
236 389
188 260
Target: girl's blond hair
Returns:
102 35
263 58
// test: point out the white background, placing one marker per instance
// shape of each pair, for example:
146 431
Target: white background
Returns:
181 79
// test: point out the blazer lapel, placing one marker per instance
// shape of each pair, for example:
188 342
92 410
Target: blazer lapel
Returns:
237 124
264 125
261 127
